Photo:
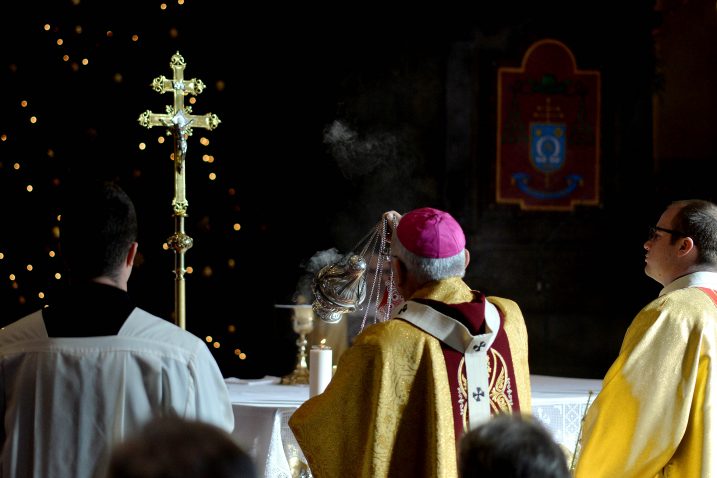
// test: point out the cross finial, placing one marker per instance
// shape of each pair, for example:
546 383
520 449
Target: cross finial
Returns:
179 122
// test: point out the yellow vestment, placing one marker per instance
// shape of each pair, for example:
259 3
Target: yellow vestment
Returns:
387 411
654 416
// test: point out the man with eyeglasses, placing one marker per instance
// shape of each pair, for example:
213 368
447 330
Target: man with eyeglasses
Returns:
657 412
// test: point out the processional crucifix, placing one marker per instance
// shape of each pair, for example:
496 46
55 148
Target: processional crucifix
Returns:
179 122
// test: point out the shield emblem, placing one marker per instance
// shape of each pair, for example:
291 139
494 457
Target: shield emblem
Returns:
547 146
548 131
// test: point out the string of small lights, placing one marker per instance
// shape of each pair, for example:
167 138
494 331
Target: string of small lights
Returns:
77 77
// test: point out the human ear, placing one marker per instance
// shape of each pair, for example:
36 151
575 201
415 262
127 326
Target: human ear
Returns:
399 271
686 246
131 253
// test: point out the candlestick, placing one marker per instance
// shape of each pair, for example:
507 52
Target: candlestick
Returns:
320 369
302 320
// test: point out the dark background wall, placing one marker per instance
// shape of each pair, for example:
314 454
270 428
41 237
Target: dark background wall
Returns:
330 118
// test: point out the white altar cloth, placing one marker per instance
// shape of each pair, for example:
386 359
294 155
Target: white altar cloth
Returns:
560 403
262 409
261 413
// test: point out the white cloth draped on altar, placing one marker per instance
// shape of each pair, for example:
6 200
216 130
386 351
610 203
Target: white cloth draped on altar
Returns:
262 409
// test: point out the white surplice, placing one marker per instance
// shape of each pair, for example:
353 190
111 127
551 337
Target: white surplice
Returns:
66 401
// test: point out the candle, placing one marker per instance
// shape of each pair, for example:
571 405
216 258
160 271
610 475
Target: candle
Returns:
319 369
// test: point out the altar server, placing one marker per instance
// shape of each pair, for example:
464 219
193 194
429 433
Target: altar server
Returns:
91 368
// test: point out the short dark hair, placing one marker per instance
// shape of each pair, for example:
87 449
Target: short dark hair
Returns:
698 219
511 446
97 227
174 447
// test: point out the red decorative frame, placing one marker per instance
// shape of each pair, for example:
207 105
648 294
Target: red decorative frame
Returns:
548 131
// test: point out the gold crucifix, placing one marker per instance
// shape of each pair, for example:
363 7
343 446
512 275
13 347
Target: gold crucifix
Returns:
179 122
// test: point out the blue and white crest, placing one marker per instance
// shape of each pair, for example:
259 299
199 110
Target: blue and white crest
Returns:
547 146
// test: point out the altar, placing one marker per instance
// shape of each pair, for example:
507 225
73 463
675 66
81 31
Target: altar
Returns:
262 409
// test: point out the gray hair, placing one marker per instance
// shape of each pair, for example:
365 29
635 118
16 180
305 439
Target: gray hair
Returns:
426 269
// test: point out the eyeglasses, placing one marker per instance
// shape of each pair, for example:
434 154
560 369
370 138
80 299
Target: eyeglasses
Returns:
652 233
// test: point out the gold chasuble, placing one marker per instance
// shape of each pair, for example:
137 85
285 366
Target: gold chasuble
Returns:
388 411
656 415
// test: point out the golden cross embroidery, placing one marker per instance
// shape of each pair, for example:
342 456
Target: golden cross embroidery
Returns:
179 120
